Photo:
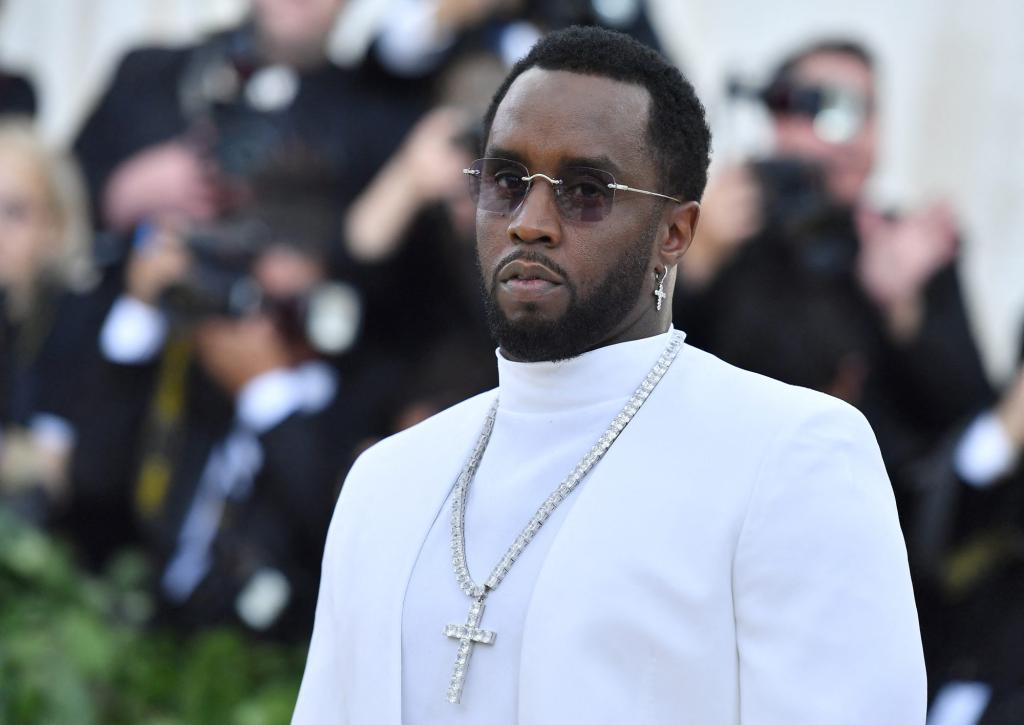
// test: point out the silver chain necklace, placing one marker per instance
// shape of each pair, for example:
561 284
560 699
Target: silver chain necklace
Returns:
470 633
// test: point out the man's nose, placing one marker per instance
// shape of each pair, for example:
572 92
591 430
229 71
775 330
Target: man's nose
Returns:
537 220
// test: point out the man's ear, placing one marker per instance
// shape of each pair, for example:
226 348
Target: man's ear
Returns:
682 225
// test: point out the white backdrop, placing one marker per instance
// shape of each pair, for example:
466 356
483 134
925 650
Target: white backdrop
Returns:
952 96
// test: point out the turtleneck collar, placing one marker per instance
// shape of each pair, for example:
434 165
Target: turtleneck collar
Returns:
605 374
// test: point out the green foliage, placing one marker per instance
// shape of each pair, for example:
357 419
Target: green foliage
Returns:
74 649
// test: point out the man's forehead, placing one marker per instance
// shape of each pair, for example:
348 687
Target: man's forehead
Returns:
831 68
573 114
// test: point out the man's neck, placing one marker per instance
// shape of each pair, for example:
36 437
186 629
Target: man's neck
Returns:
632 335
607 373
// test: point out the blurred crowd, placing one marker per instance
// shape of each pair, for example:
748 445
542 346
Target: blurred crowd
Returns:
254 263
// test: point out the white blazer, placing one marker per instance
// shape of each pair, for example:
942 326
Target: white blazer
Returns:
757 573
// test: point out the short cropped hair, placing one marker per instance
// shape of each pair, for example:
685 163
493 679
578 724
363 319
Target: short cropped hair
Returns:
676 127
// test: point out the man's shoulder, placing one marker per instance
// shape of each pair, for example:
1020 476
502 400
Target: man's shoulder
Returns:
787 437
751 400
437 434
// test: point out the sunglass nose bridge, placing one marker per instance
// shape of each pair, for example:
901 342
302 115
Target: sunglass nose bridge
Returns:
553 182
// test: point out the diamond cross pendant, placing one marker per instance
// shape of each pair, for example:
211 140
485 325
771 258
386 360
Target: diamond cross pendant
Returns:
468 635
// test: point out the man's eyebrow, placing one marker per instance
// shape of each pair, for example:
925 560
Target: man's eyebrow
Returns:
594 162
496 152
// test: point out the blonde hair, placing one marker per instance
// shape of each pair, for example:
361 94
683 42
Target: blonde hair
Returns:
65 189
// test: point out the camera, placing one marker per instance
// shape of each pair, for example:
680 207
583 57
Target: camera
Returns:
802 221
220 283
233 101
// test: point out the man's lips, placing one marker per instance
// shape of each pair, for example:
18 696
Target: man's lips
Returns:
528 281
527 271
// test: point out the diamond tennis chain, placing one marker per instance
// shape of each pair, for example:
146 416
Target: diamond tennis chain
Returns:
470 633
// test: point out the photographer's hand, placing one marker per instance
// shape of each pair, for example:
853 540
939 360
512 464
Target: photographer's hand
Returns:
731 213
171 177
898 257
234 352
426 169
157 264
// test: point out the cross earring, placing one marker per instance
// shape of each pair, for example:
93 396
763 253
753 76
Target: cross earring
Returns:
659 292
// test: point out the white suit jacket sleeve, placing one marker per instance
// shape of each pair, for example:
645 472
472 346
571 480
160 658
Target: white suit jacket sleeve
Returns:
827 629
320 698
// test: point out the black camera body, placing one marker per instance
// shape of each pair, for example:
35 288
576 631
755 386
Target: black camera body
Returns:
219 283
802 221
215 96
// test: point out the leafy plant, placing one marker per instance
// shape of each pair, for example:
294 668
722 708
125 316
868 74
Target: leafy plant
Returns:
75 648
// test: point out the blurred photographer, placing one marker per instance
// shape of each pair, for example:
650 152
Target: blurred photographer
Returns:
804 211
970 546
180 130
44 270
420 39
220 428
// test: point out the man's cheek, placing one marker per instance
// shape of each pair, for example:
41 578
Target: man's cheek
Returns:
489 245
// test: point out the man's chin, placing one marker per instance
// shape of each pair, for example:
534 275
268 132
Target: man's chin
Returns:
527 318
534 338
543 307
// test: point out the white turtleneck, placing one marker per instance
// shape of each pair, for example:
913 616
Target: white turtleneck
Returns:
549 415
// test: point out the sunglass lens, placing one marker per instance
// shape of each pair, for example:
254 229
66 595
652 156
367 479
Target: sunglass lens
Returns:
498 186
585 195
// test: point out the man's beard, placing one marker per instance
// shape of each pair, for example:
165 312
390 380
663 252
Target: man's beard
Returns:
585 322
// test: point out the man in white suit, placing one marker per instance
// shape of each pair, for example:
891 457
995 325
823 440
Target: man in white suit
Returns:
627 530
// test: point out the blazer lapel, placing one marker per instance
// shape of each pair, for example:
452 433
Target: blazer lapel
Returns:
422 498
